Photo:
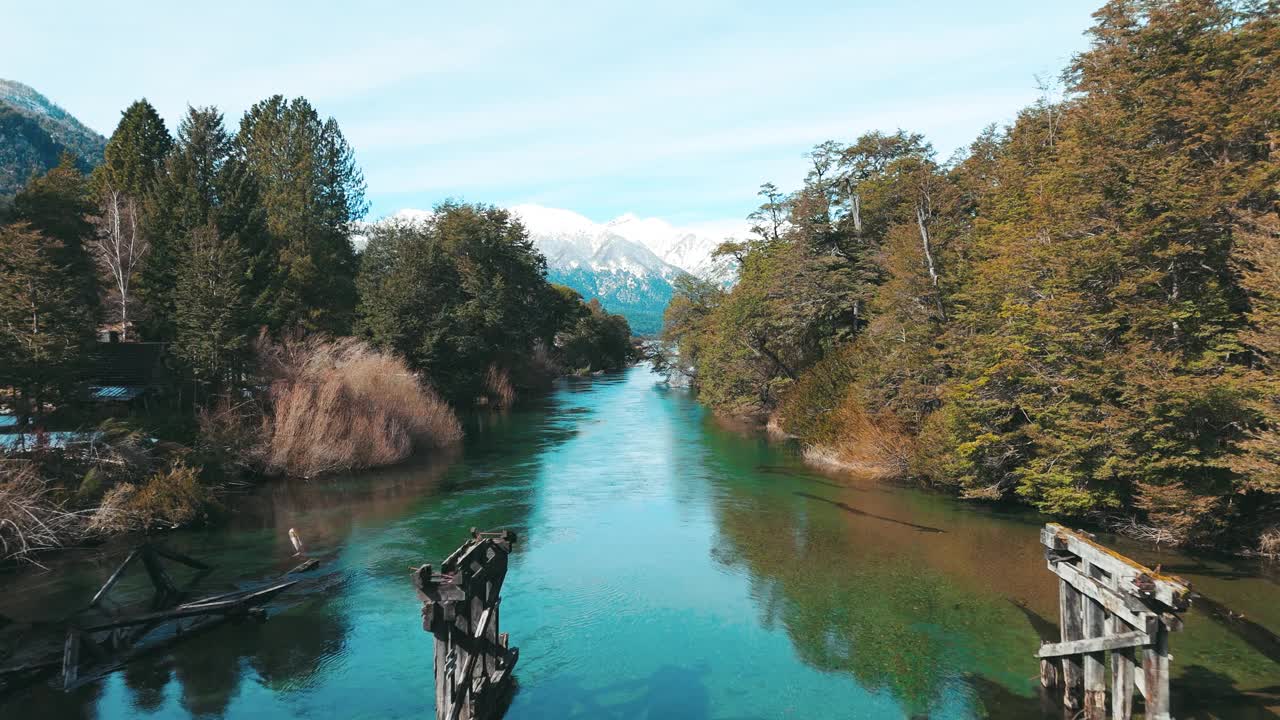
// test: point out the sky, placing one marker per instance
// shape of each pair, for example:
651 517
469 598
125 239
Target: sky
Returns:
672 110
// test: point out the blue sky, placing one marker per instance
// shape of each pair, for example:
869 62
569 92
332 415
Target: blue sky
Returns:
677 110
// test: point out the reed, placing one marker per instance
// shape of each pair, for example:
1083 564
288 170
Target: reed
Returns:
338 405
31 519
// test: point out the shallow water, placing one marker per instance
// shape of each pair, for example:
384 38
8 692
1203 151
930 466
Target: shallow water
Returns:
667 568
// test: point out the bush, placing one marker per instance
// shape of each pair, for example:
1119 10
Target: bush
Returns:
498 388
31 519
339 405
169 498
1269 543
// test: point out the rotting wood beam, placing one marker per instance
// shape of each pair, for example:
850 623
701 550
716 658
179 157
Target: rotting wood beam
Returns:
115 577
1168 590
1127 609
1095 644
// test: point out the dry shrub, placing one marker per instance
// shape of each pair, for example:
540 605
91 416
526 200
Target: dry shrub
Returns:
1132 527
1177 514
1269 543
339 405
498 387
857 441
30 517
229 434
170 498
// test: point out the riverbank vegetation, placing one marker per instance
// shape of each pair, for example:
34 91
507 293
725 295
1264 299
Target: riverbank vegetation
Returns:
1078 312
204 294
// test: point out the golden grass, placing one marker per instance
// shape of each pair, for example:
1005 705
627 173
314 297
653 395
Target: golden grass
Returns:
858 442
498 388
340 405
31 519
169 498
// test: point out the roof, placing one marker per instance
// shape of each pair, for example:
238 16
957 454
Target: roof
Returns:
114 392
124 370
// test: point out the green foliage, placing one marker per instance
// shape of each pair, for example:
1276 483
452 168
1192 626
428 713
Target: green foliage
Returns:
456 294
135 153
1077 313
210 308
58 205
596 341
202 186
44 328
313 194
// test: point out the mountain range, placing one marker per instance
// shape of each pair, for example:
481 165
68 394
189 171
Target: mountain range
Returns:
629 263
34 132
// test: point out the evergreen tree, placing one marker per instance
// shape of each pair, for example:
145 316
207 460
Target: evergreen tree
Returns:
210 318
457 294
313 193
44 325
1077 312
203 184
58 205
135 152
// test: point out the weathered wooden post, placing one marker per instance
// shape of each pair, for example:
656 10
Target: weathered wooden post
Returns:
473 662
1108 602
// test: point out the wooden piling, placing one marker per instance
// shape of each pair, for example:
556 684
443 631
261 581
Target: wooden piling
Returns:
1109 603
1071 617
460 608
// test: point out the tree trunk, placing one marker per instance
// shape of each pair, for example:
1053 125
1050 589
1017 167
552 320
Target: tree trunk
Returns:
928 259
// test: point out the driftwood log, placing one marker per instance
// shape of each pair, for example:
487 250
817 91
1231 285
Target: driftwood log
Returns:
473 661
99 639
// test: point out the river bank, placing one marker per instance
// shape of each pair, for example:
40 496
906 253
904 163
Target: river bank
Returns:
705 572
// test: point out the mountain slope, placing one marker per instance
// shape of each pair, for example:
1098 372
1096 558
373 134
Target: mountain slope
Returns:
34 132
628 263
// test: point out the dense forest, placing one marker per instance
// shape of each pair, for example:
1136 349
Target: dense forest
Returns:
1080 311
286 350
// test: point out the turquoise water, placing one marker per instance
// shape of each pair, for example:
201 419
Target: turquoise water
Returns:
667 567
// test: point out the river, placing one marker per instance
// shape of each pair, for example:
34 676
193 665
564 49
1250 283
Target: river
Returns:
668 567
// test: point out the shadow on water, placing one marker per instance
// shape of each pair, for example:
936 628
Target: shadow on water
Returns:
1045 628
806 476
1256 636
1000 704
1203 694
862 513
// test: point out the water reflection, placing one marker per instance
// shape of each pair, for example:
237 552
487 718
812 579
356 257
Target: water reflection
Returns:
669 567
955 596
367 530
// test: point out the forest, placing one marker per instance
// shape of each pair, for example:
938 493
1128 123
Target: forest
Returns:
294 337
1079 312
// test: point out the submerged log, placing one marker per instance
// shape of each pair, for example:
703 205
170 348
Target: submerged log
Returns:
99 640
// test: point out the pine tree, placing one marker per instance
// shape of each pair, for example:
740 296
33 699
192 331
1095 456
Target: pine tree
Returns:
135 152
203 183
58 205
210 317
44 326
313 193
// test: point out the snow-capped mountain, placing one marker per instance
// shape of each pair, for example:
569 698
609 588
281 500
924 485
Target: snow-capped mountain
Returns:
629 263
